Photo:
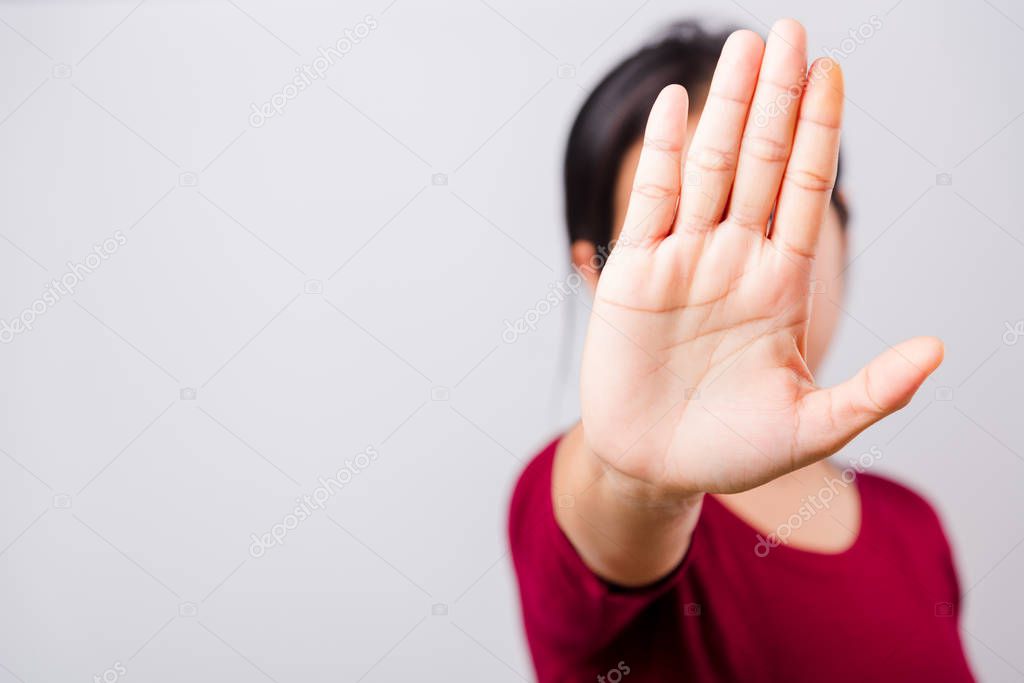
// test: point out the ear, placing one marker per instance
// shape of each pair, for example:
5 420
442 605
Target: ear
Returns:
841 193
845 199
583 252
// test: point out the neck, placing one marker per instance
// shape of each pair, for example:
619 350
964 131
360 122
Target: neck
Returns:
830 508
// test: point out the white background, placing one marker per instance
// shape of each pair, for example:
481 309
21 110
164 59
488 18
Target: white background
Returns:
126 511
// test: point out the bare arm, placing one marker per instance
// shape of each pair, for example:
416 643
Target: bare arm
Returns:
625 530
694 377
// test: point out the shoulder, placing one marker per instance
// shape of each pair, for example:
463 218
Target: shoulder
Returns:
537 471
894 494
532 493
904 512
894 497
909 527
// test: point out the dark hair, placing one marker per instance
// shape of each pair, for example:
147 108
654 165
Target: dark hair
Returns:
614 115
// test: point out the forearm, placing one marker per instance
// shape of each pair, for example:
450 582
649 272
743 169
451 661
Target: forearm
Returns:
625 531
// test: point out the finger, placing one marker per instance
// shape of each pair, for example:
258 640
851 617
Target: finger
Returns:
655 193
811 172
830 418
711 159
768 136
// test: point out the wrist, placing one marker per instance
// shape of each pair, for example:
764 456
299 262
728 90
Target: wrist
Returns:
634 491
645 495
626 530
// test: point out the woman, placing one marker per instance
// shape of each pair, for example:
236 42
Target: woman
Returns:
689 527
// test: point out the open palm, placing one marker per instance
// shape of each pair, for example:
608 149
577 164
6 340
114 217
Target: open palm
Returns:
694 376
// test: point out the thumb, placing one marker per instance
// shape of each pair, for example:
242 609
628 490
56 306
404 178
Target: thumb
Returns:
830 418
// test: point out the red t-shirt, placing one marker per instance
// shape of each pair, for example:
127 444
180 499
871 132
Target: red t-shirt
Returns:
883 610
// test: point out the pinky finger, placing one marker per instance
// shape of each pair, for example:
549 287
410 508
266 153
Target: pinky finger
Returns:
811 171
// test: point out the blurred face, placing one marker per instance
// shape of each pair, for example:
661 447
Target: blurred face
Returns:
827 268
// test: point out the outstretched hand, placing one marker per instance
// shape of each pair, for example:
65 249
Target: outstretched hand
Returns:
694 376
